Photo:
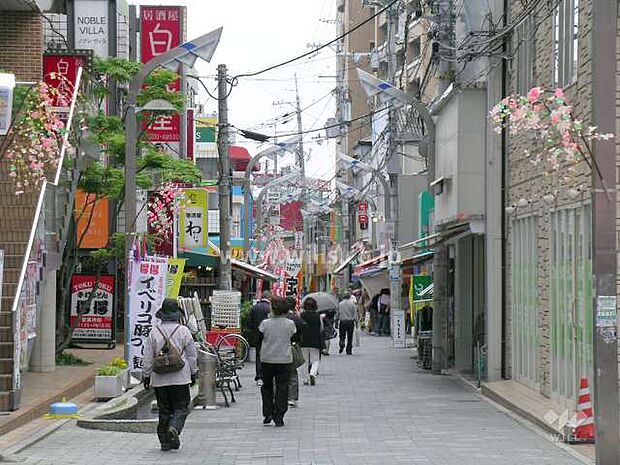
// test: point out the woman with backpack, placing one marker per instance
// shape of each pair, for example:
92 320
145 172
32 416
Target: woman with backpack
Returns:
170 368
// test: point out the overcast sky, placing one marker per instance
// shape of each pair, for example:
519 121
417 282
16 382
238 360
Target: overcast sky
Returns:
257 35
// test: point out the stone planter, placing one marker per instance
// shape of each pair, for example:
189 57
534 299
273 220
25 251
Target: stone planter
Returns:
108 387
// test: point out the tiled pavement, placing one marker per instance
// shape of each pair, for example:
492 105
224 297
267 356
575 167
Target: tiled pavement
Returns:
375 407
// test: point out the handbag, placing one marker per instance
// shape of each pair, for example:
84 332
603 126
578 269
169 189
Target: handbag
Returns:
298 355
356 336
329 332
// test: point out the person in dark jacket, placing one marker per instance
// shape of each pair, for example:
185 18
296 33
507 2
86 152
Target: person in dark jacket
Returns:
293 385
329 331
311 341
258 313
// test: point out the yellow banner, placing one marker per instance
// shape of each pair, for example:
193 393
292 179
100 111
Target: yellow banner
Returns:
194 219
174 277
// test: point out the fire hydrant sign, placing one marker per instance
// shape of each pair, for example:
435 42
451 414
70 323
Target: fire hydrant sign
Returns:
147 292
96 321
160 32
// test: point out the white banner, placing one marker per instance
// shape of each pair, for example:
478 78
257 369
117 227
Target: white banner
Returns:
147 292
398 328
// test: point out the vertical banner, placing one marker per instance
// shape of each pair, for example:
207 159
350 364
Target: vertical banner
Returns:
93 220
194 219
176 266
60 73
96 321
147 292
398 327
91 27
160 31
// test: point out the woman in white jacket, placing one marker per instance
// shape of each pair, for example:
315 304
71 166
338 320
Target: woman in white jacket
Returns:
171 389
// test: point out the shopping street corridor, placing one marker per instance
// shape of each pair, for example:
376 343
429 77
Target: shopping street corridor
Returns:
375 407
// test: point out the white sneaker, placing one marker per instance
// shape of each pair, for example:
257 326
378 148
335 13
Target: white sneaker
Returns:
292 403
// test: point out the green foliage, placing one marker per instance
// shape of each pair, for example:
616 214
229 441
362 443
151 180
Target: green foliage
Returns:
103 181
68 359
169 168
109 370
156 87
122 71
118 362
244 317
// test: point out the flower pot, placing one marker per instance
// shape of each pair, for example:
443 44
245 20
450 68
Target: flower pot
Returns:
108 387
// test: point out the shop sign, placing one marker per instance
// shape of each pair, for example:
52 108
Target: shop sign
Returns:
96 321
91 28
161 31
60 73
176 266
194 219
7 85
399 328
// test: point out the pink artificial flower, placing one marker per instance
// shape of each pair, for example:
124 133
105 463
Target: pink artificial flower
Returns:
534 94
559 92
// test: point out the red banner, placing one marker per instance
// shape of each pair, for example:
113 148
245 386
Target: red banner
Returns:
97 321
60 73
161 31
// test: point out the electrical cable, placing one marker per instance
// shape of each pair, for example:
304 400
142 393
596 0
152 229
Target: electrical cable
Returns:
321 47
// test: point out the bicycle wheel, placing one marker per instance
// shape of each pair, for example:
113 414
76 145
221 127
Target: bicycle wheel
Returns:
235 344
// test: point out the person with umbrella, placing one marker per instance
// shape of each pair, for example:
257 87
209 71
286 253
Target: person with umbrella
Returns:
326 308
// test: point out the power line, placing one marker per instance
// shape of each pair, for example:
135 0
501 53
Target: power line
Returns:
315 50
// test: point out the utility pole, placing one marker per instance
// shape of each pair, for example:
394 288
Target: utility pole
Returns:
441 255
223 145
604 224
302 167
394 170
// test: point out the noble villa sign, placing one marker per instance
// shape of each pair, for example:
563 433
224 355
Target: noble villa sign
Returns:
91 26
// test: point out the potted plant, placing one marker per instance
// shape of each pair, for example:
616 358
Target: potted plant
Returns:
108 382
125 375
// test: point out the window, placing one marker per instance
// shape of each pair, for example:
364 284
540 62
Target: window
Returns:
415 49
526 51
570 301
565 42
524 299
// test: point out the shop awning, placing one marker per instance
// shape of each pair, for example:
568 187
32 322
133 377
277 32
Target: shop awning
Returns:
418 258
345 263
252 270
373 262
199 257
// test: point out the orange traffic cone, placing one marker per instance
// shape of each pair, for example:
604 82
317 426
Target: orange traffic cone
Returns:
584 430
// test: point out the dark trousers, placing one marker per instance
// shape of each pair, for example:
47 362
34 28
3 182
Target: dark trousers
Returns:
259 367
173 405
275 402
346 331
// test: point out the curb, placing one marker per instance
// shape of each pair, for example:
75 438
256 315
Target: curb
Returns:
33 412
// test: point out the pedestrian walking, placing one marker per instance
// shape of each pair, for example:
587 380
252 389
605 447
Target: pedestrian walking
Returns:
382 322
276 358
293 384
259 312
329 331
311 341
346 318
374 314
170 368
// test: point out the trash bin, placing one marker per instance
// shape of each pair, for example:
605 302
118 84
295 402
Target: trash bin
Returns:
207 367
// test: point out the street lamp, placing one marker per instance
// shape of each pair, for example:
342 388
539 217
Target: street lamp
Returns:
186 54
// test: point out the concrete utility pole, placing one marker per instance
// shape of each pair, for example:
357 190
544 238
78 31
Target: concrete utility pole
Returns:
604 17
394 171
223 146
302 167
441 257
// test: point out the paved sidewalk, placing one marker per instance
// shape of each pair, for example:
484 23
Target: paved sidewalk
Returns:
375 407
42 389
